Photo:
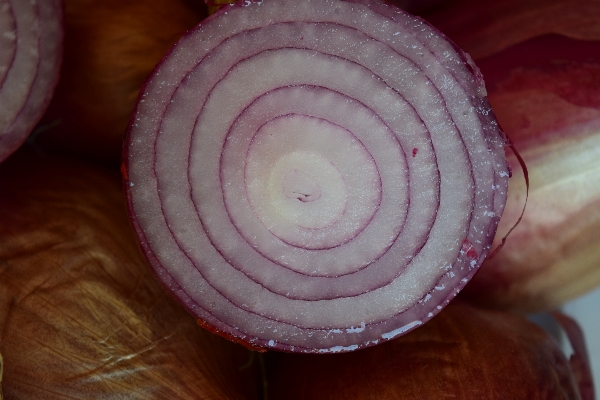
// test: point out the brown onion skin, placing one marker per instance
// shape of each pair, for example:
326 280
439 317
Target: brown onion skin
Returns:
81 315
111 46
462 353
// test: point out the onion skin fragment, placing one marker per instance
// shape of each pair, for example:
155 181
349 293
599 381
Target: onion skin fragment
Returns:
80 314
31 47
464 352
110 48
214 5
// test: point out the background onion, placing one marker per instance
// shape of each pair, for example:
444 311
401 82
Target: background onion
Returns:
483 29
270 113
111 46
464 352
30 55
545 90
81 316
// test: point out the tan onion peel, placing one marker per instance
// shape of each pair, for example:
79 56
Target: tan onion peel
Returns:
464 353
81 316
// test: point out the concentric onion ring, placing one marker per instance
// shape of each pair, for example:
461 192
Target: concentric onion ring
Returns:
31 36
315 176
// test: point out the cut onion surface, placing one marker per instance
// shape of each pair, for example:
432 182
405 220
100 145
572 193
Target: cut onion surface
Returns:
30 55
315 176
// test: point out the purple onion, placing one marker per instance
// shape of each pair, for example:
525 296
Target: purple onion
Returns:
31 37
315 176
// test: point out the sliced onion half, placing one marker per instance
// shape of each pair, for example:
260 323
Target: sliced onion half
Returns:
31 36
315 176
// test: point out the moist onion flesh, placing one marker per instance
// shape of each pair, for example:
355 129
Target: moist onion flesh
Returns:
30 55
314 176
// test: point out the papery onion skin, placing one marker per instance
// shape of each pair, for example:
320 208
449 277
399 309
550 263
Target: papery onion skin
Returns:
110 49
171 189
464 352
31 46
552 113
80 314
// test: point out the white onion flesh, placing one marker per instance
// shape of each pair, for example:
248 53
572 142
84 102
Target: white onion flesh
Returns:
315 176
30 55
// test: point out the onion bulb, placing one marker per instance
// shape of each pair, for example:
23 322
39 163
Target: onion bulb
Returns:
542 76
463 353
81 316
111 46
31 36
314 176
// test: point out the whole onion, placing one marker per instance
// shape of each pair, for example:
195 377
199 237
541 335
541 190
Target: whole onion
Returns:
314 176
81 316
111 46
30 55
463 353
545 90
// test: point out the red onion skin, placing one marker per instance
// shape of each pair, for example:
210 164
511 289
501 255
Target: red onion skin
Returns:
552 256
81 316
110 48
541 65
463 352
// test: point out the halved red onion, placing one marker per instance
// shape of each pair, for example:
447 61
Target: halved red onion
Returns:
315 176
30 55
